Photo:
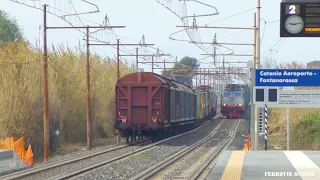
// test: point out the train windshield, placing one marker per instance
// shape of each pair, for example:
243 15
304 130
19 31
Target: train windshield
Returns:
237 94
227 94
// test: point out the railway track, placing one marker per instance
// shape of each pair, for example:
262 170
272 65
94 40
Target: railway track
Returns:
86 162
30 173
190 162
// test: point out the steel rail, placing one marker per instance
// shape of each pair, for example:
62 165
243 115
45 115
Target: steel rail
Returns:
89 168
48 166
204 166
168 161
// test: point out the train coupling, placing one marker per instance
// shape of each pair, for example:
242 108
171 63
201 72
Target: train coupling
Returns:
122 122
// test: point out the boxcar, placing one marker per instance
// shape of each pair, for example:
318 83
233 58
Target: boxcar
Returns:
208 97
147 103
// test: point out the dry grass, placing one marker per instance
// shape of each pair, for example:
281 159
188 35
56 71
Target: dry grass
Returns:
21 96
278 121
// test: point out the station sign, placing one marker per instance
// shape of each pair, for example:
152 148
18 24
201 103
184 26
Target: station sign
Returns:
287 77
300 19
295 99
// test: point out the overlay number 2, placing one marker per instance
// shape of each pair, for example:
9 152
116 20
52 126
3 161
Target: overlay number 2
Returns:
292 9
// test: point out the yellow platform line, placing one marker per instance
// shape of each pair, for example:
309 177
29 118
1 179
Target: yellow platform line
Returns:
233 169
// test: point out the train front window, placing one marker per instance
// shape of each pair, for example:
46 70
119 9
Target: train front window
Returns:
237 94
227 94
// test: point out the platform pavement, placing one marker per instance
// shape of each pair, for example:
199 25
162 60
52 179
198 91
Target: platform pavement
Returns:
265 165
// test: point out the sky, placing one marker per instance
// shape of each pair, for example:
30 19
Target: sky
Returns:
157 23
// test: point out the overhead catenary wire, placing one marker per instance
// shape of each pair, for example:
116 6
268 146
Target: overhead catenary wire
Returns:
75 14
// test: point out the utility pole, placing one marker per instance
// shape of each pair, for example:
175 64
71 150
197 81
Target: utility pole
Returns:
214 48
254 121
89 122
118 59
45 88
45 82
152 64
258 19
137 58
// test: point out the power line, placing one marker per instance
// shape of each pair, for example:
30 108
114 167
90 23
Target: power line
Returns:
231 16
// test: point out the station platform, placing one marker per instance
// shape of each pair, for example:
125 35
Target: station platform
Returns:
280 165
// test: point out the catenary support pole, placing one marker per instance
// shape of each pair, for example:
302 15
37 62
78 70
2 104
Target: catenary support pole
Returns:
118 59
89 125
288 129
266 127
118 77
258 19
45 88
152 64
253 122
137 58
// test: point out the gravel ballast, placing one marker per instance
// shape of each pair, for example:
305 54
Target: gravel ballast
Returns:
131 166
241 136
184 167
80 164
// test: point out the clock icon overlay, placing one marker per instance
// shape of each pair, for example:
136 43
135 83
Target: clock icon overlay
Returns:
294 24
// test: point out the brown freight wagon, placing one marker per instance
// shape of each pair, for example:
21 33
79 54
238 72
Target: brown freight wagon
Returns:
150 105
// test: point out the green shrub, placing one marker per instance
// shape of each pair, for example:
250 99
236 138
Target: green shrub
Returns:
307 132
21 94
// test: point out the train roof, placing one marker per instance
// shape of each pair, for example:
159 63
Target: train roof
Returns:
236 86
149 77
204 87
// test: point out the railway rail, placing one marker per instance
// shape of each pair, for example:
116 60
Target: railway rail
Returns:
78 173
29 173
131 161
186 164
88 161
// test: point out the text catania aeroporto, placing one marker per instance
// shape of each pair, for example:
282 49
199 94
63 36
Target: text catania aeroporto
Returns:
291 76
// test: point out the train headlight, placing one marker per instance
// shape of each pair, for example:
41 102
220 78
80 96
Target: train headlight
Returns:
224 104
239 104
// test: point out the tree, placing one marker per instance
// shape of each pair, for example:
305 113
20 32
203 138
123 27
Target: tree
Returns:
9 29
268 63
182 71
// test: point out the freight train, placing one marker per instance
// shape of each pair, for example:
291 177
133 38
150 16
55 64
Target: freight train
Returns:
150 105
234 100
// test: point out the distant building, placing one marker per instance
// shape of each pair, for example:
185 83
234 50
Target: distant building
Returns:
313 65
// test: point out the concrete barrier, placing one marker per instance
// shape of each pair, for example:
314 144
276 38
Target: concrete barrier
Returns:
10 162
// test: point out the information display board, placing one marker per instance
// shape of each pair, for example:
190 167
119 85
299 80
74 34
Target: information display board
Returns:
300 19
295 99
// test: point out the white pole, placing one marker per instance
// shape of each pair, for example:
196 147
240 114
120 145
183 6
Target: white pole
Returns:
266 127
288 129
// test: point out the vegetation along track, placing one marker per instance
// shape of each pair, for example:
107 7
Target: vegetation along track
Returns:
190 162
135 161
